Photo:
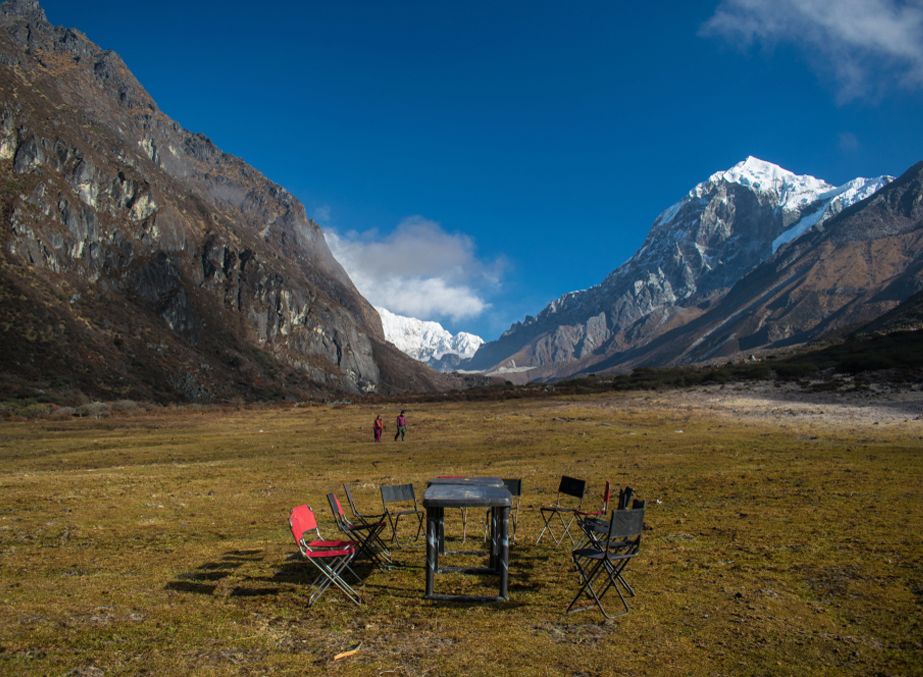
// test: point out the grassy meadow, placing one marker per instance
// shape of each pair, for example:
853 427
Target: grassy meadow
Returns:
157 543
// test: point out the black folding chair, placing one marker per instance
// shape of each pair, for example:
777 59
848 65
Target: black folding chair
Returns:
601 565
401 495
366 536
624 496
363 519
367 519
569 487
586 517
515 488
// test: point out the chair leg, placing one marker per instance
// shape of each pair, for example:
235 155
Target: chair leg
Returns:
613 575
567 529
331 574
395 523
547 526
548 515
587 587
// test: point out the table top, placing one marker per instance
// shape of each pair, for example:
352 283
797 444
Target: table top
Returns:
469 481
466 496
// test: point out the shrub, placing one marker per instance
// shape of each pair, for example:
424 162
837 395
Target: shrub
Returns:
94 409
36 410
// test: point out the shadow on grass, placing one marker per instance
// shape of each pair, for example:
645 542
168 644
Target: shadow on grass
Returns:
205 578
292 572
405 581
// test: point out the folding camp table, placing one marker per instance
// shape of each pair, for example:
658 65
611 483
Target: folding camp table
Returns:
441 495
463 481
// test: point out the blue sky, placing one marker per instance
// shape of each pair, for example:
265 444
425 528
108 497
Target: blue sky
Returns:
473 161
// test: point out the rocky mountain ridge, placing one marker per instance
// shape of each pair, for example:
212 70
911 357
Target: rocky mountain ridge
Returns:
141 261
694 253
856 270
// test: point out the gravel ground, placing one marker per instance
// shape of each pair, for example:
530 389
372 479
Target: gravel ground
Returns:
872 405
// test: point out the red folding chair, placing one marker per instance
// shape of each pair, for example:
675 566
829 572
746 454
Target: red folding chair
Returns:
330 558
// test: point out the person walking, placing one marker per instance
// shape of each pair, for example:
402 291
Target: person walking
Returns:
379 425
401 427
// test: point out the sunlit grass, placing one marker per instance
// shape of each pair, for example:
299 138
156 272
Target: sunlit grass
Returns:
157 543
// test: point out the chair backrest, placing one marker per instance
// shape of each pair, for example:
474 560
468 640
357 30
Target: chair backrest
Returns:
397 493
624 526
607 493
572 487
337 510
514 486
350 500
302 520
625 497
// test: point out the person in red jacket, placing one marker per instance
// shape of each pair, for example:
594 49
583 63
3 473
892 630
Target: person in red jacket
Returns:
401 427
379 425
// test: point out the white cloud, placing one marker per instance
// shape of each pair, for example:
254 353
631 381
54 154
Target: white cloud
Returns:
419 270
865 46
322 214
849 142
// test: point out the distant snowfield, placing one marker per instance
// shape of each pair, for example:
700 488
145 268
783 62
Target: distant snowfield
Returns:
424 340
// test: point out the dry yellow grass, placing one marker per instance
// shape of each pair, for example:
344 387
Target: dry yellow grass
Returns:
784 542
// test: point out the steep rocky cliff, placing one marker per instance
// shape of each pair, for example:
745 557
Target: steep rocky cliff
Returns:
139 260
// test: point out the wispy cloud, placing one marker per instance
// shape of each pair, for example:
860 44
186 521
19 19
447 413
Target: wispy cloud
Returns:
322 214
419 270
849 142
865 46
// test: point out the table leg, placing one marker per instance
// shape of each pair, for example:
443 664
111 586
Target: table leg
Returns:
433 519
504 553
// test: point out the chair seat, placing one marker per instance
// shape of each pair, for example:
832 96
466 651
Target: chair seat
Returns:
330 552
595 553
360 527
328 544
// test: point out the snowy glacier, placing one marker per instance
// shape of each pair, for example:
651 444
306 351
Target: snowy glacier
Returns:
425 340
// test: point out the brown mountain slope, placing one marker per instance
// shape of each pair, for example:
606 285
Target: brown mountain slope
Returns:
138 260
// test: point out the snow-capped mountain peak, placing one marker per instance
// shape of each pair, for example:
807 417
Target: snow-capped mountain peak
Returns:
788 190
427 341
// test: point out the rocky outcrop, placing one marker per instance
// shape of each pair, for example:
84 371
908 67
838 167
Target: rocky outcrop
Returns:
181 269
